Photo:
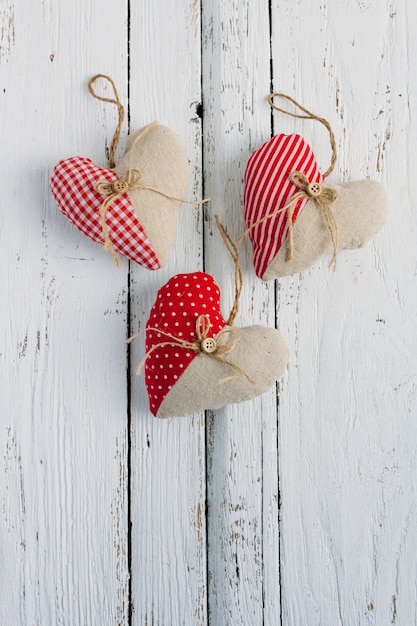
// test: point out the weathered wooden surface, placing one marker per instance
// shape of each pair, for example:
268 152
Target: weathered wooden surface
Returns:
297 508
63 319
167 457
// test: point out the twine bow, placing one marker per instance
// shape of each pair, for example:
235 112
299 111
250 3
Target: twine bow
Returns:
324 197
131 179
113 190
213 347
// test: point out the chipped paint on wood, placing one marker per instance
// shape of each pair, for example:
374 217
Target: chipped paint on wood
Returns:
169 545
345 519
7 30
63 524
118 509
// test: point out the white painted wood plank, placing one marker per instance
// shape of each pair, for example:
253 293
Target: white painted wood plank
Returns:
168 456
242 495
348 408
348 405
63 518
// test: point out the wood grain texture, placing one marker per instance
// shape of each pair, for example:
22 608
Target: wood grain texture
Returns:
347 412
297 508
242 461
63 431
167 456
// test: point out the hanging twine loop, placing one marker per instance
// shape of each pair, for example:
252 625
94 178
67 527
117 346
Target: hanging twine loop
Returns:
232 248
116 136
131 179
215 347
308 116
324 197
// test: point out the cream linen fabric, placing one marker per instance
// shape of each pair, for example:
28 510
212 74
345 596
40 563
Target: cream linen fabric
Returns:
161 159
260 352
360 212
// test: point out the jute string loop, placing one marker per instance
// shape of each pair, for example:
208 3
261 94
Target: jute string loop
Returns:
120 108
323 196
213 347
238 271
131 179
309 116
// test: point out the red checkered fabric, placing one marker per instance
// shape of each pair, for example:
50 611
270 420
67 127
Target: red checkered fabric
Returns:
178 304
72 188
267 187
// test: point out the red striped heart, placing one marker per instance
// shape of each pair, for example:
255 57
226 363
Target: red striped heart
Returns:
267 187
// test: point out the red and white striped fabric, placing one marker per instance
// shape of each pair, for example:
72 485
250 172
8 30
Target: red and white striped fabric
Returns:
267 187
72 188
178 304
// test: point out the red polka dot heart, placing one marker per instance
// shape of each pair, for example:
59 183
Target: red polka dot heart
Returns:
195 360
179 303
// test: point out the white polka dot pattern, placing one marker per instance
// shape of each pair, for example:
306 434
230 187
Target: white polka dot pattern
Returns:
178 304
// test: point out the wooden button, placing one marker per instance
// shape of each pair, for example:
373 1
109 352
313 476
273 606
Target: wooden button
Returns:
208 345
119 186
314 189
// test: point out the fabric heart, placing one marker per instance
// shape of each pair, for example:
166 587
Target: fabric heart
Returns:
356 212
195 361
268 187
141 222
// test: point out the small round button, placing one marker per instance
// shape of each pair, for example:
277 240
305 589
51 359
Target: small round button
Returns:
119 186
208 345
313 189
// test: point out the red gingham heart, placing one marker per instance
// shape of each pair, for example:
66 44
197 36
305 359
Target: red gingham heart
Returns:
72 188
267 187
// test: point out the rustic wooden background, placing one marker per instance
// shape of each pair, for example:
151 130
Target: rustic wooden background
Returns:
295 509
